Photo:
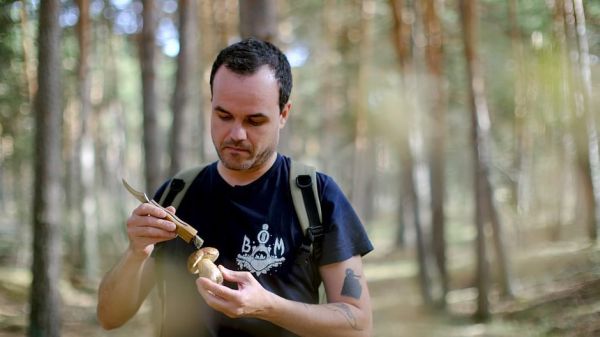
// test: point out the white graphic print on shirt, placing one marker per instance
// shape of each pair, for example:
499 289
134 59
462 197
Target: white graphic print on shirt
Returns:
260 258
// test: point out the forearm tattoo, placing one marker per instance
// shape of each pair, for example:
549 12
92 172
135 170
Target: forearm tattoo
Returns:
344 309
351 287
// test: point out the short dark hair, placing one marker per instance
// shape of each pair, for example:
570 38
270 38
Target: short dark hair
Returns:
246 56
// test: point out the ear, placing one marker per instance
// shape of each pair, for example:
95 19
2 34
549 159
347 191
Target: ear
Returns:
284 114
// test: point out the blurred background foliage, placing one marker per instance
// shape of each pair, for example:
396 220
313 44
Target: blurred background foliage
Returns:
382 124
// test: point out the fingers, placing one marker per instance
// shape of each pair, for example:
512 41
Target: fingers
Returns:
151 216
218 297
212 288
250 299
240 277
145 209
146 226
153 229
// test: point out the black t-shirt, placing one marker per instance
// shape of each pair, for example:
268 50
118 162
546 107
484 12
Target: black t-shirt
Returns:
255 229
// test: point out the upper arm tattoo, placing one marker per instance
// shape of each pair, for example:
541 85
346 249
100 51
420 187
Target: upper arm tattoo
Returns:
351 287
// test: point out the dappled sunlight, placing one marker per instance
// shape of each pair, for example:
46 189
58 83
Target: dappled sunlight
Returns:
463 133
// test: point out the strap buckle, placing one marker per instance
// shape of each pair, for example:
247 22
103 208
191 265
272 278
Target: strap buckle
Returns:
303 181
304 253
315 232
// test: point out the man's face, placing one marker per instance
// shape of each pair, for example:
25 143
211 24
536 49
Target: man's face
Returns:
245 119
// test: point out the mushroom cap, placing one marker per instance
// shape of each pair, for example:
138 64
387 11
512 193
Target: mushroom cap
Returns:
210 253
193 259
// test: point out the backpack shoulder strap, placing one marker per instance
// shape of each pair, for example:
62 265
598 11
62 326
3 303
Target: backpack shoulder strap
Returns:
305 196
178 186
302 175
172 196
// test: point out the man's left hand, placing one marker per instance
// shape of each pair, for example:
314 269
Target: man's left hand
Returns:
250 299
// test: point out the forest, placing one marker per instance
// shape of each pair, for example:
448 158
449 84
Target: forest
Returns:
464 133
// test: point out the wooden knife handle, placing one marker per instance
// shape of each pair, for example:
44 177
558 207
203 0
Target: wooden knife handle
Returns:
184 230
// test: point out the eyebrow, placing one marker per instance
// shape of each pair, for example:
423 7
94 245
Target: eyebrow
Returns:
254 115
221 109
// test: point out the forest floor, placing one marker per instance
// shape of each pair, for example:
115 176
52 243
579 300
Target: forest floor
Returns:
556 288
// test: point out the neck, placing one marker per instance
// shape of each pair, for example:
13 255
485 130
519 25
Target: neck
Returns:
245 177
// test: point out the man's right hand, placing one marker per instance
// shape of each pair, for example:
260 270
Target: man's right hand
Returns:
147 226
124 288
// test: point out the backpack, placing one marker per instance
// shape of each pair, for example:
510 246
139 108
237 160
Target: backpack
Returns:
303 186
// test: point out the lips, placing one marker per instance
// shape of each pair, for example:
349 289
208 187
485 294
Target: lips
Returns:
236 148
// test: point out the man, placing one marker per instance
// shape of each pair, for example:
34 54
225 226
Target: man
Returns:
242 206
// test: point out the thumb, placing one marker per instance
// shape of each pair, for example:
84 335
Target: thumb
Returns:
235 276
171 209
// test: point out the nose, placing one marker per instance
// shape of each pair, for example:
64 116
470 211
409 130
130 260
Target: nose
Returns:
238 132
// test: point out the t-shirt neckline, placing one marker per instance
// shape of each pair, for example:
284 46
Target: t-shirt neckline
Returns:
251 186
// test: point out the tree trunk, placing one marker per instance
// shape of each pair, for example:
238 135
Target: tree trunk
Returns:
45 314
88 238
582 125
183 152
584 95
330 98
207 48
401 34
480 125
364 161
152 160
258 18
482 279
226 15
562 88
27 45
411 209
504 275
434 58
410 205
522 164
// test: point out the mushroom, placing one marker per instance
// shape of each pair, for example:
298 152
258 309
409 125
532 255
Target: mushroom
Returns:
201 262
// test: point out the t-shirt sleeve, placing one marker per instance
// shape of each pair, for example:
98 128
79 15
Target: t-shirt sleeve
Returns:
345 235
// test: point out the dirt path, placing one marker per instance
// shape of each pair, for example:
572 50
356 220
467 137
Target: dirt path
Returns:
558 294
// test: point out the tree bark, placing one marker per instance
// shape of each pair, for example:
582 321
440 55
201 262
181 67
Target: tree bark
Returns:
258 18
226 16
207 48
480 124
401 35
410 205
562 88
45 314
151 137
583 100
523 158
582 126
364 161
88 238
330 87
27 45
183 152
434 57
